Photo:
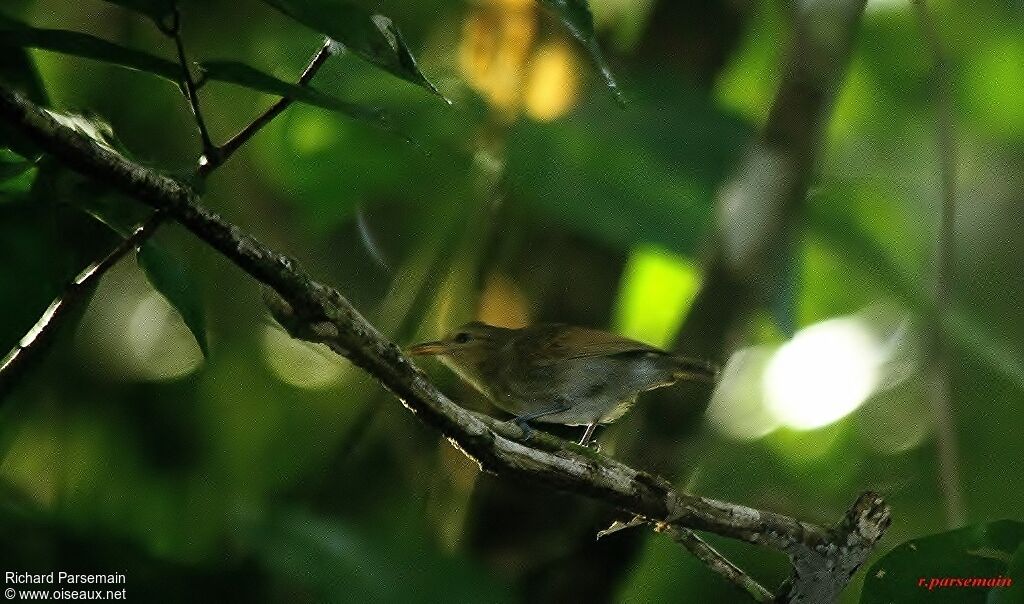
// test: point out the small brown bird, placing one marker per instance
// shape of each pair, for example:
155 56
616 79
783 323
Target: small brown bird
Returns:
558 373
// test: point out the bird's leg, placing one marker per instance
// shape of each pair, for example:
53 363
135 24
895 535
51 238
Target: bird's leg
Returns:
585 441
525 427
522 419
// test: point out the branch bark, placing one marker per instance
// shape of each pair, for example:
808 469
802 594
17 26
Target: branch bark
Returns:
824 559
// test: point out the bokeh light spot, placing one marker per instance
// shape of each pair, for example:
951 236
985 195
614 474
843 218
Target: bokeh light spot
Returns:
161 345
657 290
503 303
297 363
825 372
310 132
552 83
737 406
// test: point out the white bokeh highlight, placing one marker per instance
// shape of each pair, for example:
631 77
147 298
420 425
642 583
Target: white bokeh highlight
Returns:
825 372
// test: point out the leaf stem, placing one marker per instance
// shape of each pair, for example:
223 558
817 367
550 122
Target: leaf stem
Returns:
267 116
188 84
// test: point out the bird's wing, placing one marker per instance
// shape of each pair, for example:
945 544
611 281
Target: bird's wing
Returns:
548 344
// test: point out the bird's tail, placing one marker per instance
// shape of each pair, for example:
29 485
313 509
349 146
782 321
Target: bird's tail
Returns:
695 369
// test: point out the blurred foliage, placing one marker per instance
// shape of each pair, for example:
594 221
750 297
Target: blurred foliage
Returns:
177 434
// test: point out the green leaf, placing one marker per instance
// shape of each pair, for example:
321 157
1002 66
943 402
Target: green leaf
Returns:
576 17
156 9
168 275
12 165
249 77
232 72
79 44
372 37
91 196
907 574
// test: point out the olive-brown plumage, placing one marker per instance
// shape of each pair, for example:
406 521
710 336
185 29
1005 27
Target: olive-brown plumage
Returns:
559 373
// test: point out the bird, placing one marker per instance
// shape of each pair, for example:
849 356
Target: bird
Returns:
558 373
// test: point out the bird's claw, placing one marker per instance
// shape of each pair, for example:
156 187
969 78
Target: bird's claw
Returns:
525 427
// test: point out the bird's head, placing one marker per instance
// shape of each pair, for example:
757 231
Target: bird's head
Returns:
469 344
471 351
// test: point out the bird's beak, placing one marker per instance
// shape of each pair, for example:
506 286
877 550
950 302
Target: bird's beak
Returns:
427 348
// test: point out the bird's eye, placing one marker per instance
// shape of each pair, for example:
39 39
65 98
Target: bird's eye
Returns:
461 337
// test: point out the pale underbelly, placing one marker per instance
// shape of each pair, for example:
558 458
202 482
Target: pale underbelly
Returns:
578 413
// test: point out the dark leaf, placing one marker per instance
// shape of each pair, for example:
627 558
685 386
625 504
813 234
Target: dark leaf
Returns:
47 243
169 276
576 17
372 37
244 75
85 45
93 197
18 71
907 573
79 44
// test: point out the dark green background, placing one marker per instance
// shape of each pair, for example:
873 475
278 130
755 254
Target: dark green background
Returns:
273 470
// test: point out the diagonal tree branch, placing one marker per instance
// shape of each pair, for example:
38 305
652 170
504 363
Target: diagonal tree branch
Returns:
25 354
824 559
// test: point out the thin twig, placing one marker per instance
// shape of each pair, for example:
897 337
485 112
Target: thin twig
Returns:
948 447
715 561
24 355
210 151
703 551
229 148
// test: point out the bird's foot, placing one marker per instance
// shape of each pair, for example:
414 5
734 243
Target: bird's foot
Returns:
525 427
